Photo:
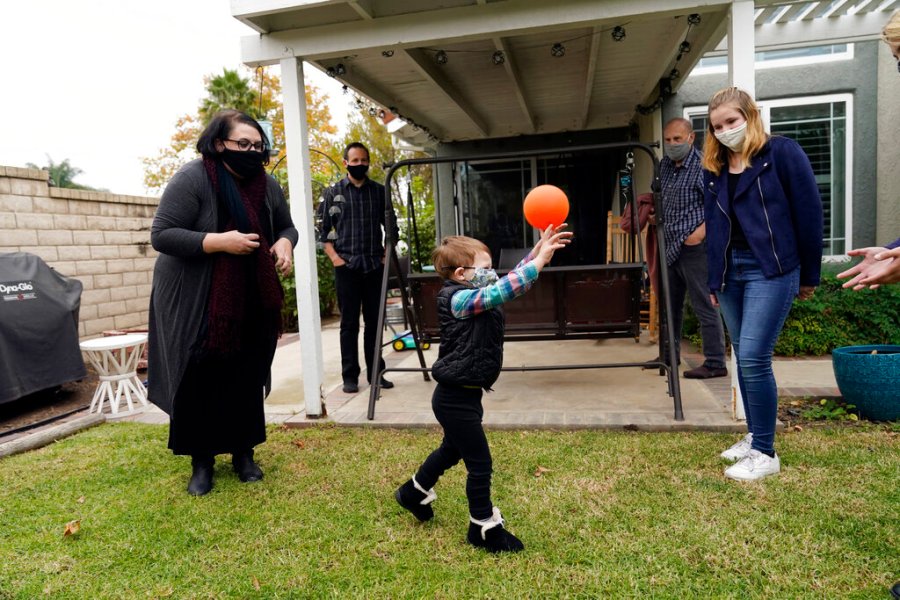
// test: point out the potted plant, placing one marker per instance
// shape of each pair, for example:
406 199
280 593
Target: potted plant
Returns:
869 378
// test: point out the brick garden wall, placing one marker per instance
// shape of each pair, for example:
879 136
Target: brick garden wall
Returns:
101 239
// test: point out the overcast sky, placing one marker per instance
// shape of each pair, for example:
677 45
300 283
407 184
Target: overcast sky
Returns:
102 82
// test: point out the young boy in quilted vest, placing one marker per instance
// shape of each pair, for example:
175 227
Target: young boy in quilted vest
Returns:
469 361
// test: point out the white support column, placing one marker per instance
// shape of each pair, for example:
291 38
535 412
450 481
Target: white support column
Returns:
307 281
741 73
741 46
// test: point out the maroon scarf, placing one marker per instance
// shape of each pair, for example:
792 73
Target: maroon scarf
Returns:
235 278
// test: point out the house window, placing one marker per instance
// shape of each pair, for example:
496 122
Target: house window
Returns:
771 59
822 127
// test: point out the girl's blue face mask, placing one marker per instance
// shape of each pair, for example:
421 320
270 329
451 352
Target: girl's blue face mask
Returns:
484 277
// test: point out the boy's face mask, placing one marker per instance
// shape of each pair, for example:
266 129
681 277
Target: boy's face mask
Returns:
484 277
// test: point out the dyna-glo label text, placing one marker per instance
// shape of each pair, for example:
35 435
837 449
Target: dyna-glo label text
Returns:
17 290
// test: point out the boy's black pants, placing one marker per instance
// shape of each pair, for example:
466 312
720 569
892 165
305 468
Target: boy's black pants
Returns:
459 412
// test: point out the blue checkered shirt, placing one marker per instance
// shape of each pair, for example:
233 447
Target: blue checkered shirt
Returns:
682 189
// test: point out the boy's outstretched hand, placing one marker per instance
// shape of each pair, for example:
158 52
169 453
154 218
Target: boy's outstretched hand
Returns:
552 239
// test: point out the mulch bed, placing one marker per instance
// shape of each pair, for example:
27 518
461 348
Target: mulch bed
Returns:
45 405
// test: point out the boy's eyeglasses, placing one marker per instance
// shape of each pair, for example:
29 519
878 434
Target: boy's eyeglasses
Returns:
245 144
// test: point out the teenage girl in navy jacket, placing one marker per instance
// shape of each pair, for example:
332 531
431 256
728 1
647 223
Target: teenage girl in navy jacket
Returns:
764 247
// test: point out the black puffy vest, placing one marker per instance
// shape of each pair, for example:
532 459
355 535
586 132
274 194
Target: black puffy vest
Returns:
471 351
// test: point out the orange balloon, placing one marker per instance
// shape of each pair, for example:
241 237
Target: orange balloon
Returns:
546 205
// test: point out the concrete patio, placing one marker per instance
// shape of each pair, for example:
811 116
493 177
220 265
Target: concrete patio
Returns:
612 398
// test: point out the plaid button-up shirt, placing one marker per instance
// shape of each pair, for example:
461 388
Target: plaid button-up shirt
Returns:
682 189
352 219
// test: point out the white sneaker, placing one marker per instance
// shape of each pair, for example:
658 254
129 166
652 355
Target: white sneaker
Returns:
755 465
739 450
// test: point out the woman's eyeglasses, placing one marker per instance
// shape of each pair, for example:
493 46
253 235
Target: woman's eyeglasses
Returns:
244 144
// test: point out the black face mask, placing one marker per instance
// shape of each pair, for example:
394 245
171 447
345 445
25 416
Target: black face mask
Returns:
244 164
358 172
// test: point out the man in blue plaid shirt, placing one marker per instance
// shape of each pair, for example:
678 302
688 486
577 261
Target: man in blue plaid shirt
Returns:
685 235
352 218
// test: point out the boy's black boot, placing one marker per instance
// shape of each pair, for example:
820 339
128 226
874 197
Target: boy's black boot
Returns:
490 535
201 476
416 499
246 469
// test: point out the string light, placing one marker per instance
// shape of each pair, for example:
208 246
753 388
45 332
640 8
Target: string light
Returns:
618 33
336 71
387 53
498 58
441 57
665 84
557 50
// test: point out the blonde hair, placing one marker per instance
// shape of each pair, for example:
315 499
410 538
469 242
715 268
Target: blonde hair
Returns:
715 155
456 251
891 31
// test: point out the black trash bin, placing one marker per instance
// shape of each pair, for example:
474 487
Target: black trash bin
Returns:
38 327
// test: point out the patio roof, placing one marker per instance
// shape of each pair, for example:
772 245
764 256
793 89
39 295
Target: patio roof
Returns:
474 69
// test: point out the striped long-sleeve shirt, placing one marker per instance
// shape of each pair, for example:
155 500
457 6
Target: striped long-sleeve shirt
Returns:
470 302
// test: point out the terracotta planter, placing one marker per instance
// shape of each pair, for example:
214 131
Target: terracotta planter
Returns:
869 378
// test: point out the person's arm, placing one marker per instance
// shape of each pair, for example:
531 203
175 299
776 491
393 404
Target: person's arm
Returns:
326 224
806 212
172 231
285 233
468 303
886 270
336 259
282 223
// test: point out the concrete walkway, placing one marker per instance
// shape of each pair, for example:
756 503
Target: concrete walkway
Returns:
612 398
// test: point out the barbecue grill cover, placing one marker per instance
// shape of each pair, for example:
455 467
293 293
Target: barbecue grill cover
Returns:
38 327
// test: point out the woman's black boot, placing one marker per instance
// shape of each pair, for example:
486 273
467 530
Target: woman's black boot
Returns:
202 475
246 469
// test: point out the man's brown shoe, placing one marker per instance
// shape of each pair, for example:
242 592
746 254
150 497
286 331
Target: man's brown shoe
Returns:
704 372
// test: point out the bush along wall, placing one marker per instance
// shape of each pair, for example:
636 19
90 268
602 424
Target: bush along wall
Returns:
833 317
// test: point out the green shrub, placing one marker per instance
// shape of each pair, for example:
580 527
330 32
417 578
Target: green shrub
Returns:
327 291
833 317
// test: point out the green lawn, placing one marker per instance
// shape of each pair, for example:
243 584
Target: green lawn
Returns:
615 515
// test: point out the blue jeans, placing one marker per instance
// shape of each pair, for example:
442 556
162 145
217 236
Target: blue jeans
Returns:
754 308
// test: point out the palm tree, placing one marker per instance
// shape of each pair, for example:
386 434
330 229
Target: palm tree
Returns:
228 90
62 174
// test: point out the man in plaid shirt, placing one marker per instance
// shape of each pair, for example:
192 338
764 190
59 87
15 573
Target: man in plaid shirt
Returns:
352 218
685 235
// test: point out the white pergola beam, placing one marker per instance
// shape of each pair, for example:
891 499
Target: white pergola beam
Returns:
363 8
453 25
741 47
427 68
296 135
382 97
512 72
847 28
861 27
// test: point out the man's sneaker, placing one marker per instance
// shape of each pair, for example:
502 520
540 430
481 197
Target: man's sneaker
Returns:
416 499
704 372
490 535
739 450
755 465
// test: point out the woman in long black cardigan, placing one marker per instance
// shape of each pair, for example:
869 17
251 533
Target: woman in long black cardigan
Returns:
222 229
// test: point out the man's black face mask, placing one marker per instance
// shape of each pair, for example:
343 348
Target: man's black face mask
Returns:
357 172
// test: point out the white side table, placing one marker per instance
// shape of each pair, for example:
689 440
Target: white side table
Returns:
115 359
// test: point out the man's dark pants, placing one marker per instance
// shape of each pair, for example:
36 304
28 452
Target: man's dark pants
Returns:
688 275
355 290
